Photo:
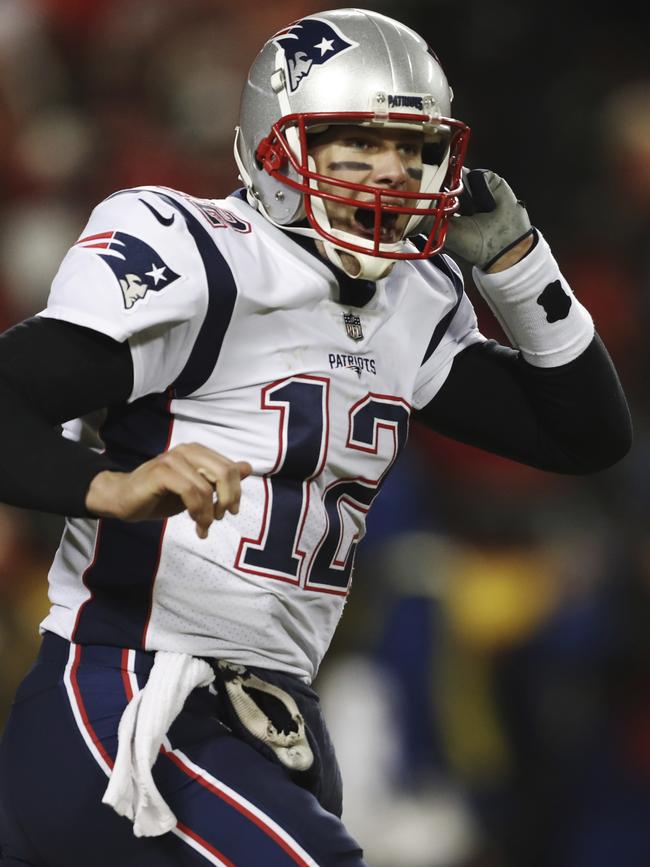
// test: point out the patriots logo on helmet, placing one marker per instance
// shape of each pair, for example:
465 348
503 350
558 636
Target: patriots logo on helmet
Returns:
308 43
137 266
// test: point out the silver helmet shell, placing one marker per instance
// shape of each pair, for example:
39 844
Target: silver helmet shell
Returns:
344 63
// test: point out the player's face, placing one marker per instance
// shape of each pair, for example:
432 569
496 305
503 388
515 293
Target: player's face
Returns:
388 158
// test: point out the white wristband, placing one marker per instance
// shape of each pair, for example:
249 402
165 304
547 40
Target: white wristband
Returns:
536 308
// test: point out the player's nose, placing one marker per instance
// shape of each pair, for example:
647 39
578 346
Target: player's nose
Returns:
390 168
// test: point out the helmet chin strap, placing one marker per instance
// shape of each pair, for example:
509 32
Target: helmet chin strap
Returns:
370 267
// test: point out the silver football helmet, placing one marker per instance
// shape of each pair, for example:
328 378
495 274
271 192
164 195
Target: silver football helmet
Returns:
348 66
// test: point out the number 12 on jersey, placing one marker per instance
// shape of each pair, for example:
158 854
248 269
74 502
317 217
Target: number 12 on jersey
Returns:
302 404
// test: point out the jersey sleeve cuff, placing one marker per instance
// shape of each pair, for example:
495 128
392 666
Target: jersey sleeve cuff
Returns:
428 390
87 320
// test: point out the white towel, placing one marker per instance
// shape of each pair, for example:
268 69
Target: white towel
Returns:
131 791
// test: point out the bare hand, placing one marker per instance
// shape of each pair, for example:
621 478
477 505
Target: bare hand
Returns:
184 478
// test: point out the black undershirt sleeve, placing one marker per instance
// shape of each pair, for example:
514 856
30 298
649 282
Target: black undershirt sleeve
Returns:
50 372
568 419
571 419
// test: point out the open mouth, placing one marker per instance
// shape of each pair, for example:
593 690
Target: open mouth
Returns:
364 224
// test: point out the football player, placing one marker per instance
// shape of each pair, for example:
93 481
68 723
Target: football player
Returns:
235 378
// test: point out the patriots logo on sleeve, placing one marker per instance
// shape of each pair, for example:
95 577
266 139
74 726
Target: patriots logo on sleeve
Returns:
308 43
136 265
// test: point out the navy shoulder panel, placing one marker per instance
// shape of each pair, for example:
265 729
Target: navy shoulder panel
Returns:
439 261
222 293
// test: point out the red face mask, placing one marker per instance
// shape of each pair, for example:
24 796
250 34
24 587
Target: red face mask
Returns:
431 208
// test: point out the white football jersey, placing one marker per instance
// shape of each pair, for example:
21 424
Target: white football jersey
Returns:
242 340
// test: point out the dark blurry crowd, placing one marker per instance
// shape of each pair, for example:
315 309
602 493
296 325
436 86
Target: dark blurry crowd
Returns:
489 690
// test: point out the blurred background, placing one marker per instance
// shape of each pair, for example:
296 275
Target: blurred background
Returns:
489 688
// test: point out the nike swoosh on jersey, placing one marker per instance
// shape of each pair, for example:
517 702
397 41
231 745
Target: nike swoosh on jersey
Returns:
166 221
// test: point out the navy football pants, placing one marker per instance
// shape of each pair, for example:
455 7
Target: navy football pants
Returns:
235 807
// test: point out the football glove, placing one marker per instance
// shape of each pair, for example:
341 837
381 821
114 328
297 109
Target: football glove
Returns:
489 221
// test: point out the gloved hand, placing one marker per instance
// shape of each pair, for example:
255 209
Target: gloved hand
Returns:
489 221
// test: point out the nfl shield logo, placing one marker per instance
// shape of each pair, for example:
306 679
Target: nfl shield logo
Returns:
353 326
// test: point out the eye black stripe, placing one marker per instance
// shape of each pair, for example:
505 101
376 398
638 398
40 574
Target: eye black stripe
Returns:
352 166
